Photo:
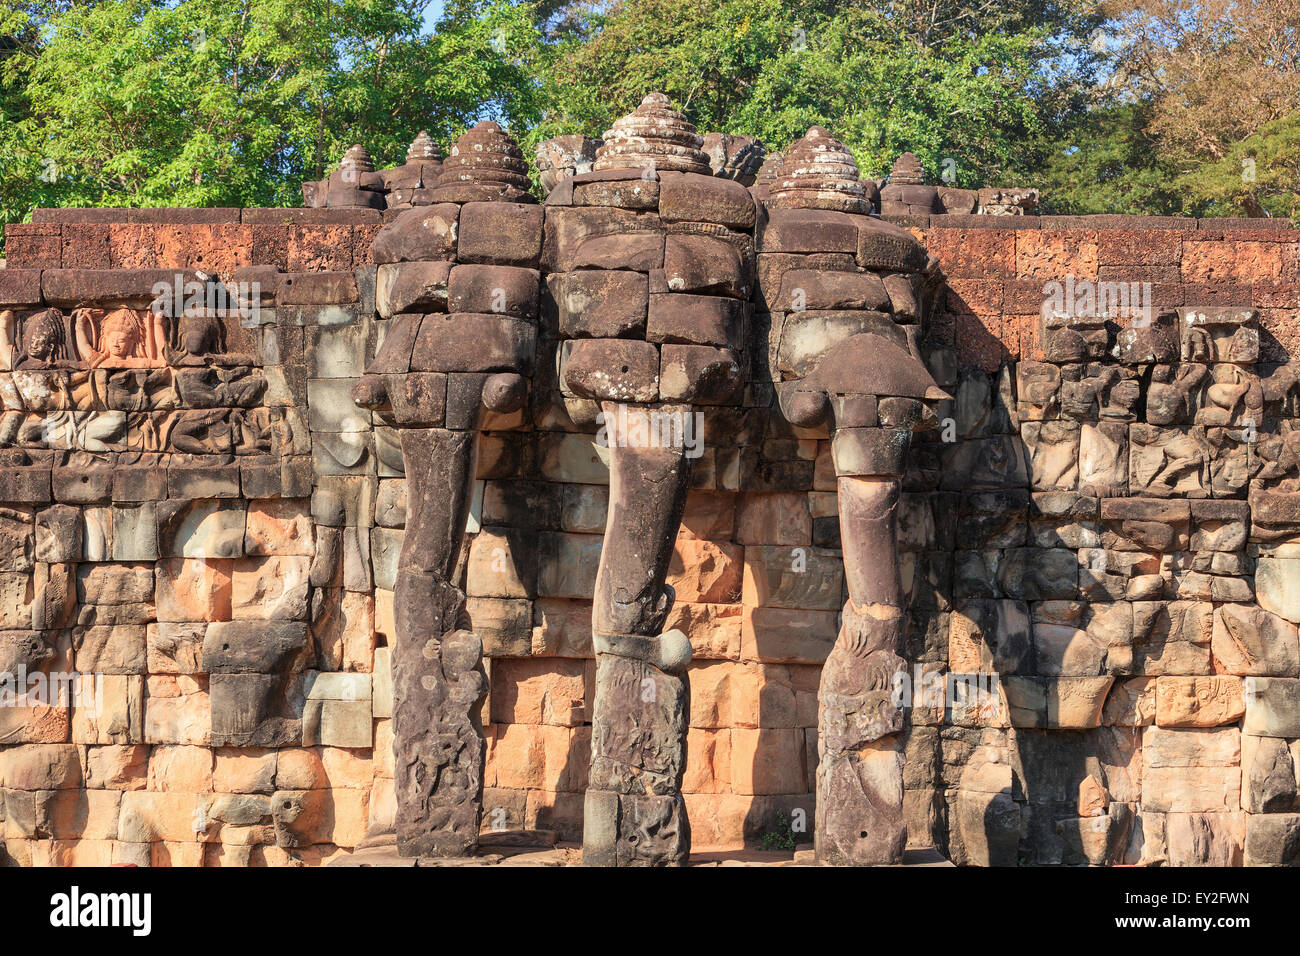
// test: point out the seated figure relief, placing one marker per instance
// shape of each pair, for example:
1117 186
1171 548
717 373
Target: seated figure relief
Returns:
201 339
111 378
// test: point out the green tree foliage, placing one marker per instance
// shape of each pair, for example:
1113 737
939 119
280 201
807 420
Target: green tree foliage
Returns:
236 102
1258 176
1108 163
1218 85
946 79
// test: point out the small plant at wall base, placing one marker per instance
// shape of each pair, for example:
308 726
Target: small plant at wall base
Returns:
780 837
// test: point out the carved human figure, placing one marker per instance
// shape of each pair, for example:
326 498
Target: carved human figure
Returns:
121 338
845 357
458 350
40 360
652 265
200 338
44 341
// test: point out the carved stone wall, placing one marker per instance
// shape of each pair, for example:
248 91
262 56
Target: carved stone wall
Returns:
219 540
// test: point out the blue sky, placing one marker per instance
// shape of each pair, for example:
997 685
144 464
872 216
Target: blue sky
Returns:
431 14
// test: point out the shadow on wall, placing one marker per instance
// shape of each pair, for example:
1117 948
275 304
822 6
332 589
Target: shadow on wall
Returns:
1021 777
1078 595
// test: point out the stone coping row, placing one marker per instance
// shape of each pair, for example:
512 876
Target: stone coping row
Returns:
354 216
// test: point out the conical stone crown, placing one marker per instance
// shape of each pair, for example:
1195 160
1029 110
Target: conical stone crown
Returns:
819 172
655 135
770 169
907 171
485 164
357 158
423 149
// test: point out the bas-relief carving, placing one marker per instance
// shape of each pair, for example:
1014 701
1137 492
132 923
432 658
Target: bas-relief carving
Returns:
121 379
120 338
1167 421
44 341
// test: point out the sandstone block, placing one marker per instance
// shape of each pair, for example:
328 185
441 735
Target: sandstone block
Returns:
412 287
1272 706
499 233
1248 640
193 589
503 290
1272 839
692 197
793 577
1198 701
601 303
419 234
767 761
274 588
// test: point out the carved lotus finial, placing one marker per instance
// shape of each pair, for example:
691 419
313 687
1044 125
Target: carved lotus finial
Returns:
907 171
655 135
770 169
357 158
485 164
819 172
423 149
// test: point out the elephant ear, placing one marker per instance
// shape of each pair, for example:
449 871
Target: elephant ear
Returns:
870 364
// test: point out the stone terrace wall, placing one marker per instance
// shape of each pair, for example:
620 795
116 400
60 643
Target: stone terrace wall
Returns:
1137 722
1116 555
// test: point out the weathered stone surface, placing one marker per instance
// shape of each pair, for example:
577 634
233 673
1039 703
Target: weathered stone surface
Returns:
695 320
1250 640
1105 523
412 287
471 342
601 303
1198 701
699 374
654 136
1272 839
613 370
706 265
1277 586
1195 771
497 233
1204 839
422 234
247 647
691 197
818 172
1269 780
1271 706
